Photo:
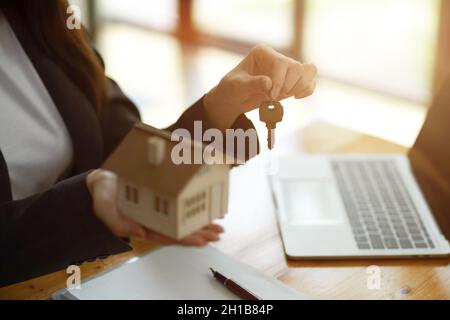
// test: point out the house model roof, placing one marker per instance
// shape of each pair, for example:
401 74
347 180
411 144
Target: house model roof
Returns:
130 161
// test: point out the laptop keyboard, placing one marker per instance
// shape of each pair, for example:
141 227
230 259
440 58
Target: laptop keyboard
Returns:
380 210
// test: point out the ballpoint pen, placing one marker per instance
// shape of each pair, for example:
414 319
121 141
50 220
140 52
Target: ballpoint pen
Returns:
234 287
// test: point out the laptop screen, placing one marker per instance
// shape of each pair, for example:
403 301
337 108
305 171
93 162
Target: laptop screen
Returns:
430 158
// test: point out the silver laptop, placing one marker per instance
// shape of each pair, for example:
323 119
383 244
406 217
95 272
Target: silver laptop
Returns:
369 206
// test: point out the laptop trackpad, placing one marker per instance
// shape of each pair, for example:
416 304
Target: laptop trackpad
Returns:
310 202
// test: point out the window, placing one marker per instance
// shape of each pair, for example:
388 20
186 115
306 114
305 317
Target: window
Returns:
161 205
376 58
252 21
385 45
132 194
195 205
157 14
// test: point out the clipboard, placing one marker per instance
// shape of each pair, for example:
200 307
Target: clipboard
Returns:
178 273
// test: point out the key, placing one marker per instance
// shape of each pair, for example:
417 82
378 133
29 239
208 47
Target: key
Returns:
271 113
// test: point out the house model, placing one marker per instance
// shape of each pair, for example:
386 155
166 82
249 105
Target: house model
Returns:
174 200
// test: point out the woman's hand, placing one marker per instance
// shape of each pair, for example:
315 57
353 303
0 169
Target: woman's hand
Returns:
103 188
264 75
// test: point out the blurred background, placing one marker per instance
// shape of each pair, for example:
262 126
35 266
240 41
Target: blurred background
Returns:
380 61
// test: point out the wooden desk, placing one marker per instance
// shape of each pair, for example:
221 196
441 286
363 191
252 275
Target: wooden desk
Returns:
252 236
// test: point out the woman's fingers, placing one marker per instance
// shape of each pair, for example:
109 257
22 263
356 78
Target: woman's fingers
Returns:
256 84
136 231
198 239
291 78
194 241
253 101
305 83
117 223
279 73
208 235
105 207
201 238
288 76
153 236
104 193
245 85
294 75
306 92
215 227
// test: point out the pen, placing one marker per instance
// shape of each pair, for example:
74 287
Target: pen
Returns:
234 287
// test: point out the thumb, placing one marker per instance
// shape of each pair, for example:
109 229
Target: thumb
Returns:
136 231
256 84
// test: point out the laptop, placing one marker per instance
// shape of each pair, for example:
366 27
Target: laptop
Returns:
369 206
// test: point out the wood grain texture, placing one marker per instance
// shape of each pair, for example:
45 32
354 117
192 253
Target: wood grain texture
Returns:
253 237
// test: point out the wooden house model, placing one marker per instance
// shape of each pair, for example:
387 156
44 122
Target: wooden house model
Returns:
174 200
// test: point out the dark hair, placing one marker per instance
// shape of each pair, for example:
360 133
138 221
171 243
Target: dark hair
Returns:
70 49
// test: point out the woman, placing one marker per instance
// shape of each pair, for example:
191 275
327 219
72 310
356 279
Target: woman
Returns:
60 119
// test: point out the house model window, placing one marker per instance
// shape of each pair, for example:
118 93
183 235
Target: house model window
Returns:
161 205
132 194
195 205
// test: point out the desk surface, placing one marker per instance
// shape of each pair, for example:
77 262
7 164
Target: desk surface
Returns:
253 237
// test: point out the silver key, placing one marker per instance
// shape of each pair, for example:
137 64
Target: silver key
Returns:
271 113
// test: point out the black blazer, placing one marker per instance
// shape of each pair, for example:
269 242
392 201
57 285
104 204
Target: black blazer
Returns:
49 231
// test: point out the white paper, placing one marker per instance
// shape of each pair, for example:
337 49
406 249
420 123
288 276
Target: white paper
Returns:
179 273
